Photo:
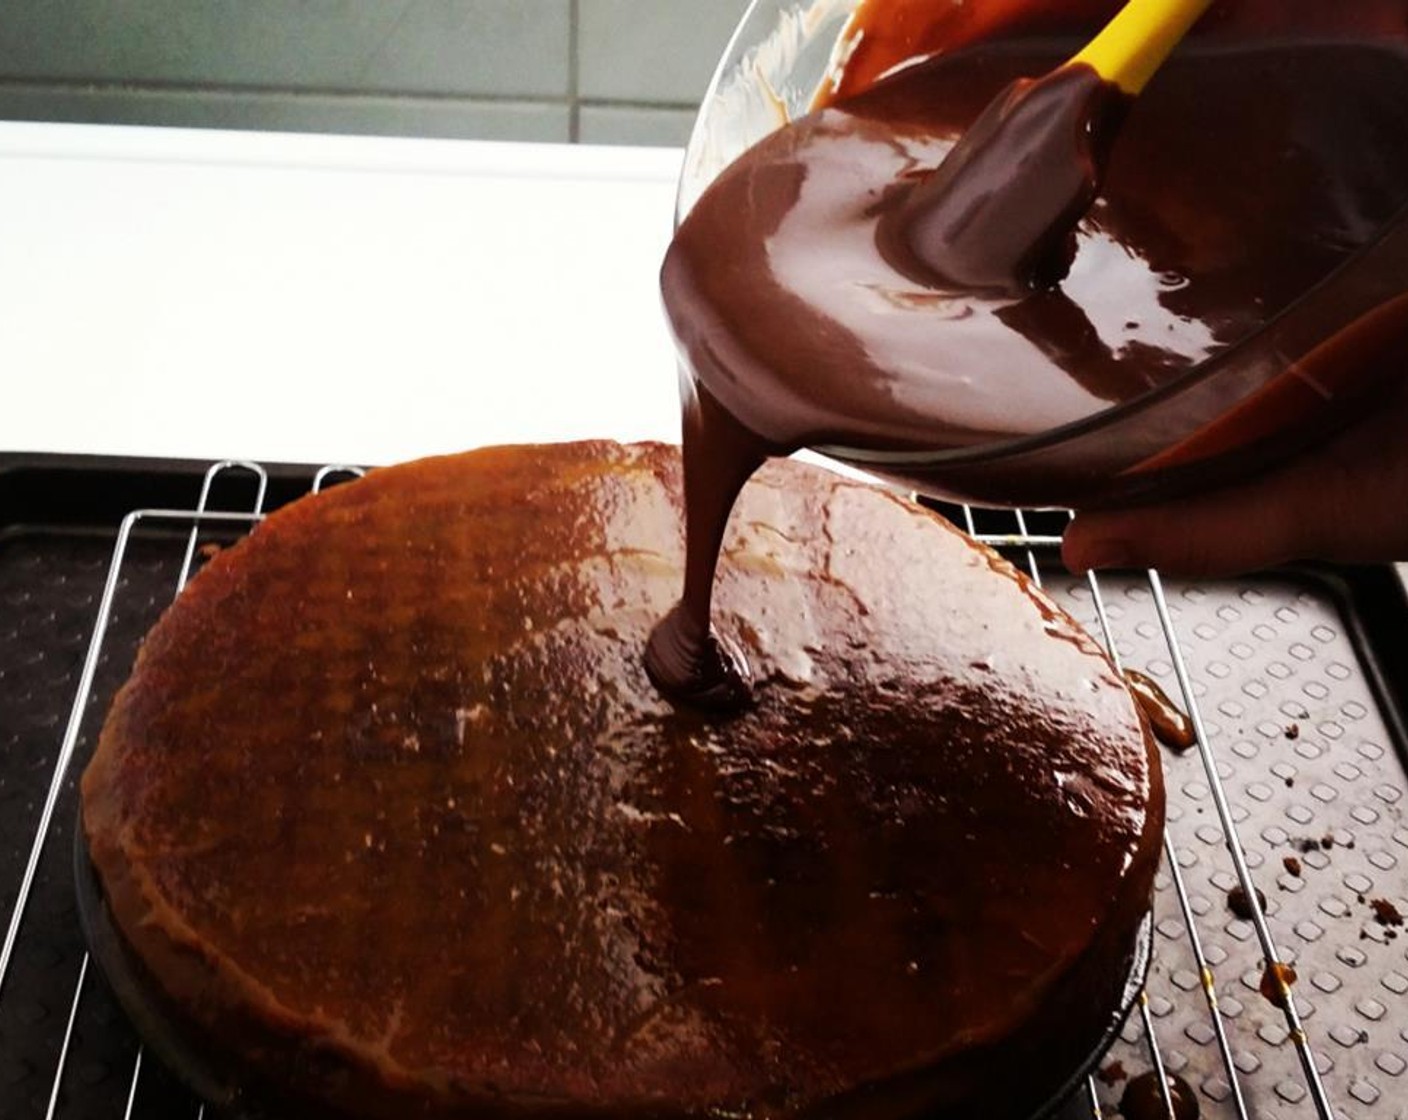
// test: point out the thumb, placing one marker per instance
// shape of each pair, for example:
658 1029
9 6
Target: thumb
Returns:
1291 513
1347 502
1208 536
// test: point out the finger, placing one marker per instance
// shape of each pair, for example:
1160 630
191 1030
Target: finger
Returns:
1345 501
1220 534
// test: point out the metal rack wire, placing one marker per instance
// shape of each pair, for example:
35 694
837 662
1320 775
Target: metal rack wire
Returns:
1228 1085
1233 1092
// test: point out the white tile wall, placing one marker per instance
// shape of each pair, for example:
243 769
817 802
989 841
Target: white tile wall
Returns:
464 118
626 124
604 71
658 51
498 47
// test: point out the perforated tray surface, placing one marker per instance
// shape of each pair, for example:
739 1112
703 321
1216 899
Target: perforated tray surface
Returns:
1308 762
1299 726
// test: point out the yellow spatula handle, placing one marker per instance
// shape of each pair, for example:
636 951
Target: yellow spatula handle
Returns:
1135 43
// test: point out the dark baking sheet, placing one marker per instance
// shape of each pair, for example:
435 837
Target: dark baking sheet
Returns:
58 521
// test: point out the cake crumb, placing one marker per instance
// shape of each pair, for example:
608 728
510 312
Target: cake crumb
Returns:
1293 731
1292 865
1112 1073
1385 912
1241 905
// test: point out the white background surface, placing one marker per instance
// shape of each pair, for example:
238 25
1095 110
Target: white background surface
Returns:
317 299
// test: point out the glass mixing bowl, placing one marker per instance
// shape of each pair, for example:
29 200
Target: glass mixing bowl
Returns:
1292 383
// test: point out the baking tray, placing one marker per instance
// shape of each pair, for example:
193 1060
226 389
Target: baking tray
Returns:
1297 676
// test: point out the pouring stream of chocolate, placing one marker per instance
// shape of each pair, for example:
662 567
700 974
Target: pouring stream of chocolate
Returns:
824 293
998 214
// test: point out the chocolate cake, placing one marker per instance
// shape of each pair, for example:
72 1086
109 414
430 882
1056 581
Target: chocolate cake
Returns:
392 818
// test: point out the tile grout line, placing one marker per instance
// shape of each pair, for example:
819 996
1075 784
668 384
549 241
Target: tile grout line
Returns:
574 101
11 87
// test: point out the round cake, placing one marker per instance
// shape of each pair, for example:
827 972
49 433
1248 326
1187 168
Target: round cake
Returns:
390 815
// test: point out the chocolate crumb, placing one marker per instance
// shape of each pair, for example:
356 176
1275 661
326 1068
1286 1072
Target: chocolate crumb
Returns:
1291 864
1290 783
1385 912
1360 899
1240 904
1142 1099
1293 731
1274 981
1306 845
1112 1073
1327 841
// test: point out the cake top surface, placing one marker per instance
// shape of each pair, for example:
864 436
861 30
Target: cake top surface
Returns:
392 768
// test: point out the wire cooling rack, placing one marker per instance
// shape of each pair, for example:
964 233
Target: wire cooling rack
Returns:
1293 794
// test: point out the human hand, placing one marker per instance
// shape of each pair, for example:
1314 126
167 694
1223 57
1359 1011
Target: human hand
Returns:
1344 501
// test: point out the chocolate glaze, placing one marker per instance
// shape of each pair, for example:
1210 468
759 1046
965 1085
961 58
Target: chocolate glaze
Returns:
806 333
1170 723
1247 172
1143 1100
686 657
1276 981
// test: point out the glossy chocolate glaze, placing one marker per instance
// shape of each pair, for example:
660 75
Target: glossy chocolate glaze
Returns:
1144 1100
1169 722
1276 981
1245 174
389 790
797 323
686 657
